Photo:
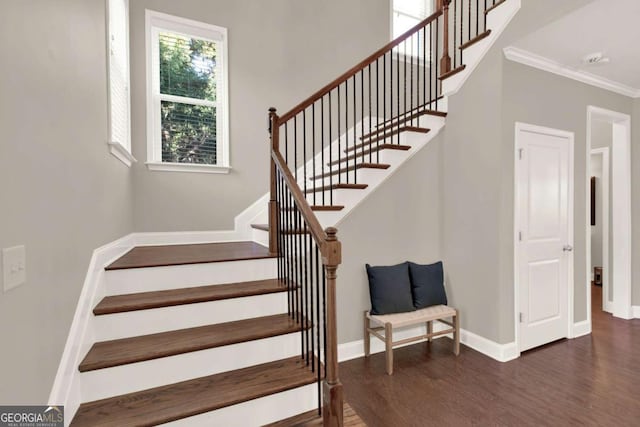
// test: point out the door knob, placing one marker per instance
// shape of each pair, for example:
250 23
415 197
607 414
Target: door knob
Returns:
567 248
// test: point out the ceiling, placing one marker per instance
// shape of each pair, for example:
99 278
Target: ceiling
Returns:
608 26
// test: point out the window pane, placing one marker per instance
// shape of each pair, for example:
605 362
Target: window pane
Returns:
187 67
416 8
188 133
402 24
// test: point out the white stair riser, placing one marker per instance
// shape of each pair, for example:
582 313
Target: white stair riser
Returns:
103 383
257 412
260 236
145 322
184 276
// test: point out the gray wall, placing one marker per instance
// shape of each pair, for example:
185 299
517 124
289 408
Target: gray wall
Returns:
398 222
63 193
477 168
559 103
280 52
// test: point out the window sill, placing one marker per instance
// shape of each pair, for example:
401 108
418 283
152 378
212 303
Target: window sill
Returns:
187 167
121 153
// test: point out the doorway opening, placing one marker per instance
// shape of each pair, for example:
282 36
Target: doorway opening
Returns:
600 190
608 234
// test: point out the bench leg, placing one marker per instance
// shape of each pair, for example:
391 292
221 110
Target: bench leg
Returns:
456 334
388 340
429 330
367 337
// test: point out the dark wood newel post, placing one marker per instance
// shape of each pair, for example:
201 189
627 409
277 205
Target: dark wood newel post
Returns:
445 62
332 411
273 202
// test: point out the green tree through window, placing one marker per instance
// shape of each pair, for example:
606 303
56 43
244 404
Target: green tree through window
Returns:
188 118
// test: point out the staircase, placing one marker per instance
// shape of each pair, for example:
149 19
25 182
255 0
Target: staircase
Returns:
244 333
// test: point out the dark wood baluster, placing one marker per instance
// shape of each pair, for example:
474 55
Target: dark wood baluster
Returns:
370 110
304 152
445 63
346 127
330 152
339 142
354 125
313 147
437 73
322 147
274 129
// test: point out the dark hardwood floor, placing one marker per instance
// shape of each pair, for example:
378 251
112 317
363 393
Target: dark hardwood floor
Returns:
590 381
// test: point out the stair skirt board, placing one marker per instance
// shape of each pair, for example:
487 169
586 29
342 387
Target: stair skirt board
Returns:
120 282
257 412
497 20
151 321
351 198
114 381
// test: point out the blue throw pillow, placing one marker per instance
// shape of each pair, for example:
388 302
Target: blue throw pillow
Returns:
427 285
390 289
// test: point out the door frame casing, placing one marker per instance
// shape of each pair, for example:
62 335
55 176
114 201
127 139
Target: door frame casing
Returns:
620 199
604 153
570 136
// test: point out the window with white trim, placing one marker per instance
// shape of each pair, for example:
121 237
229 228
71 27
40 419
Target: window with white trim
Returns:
186 95
118 67
405 15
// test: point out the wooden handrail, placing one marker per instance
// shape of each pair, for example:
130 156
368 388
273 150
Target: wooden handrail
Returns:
358 67
301 202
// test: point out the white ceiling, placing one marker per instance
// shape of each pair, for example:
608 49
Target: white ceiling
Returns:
608 26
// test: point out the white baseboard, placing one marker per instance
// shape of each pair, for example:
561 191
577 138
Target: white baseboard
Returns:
580 329
66 386
499 352
635 310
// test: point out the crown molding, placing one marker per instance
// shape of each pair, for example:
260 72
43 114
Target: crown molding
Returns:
545 64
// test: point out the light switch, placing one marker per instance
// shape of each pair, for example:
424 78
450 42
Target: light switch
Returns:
14 267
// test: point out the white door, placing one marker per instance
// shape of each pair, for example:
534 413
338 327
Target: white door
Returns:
544 223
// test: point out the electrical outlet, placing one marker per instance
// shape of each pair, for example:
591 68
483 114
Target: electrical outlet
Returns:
14 267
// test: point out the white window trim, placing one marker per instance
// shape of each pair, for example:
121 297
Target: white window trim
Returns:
119 149
121 153
188 27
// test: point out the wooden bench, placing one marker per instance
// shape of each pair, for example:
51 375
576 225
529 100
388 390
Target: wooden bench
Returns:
374 324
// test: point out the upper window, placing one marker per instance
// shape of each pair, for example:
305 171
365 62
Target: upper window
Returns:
187 95
118 60
408 13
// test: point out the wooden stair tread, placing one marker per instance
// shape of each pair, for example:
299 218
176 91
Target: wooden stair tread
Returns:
157 299
452 72
123 351
166 255
500 2
352 168
411 114
320 208
337 187
184 399
265 227
475 40
388 133
311 418
372 149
